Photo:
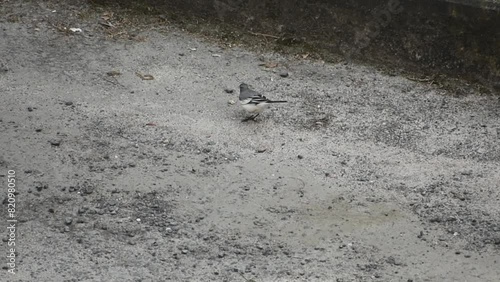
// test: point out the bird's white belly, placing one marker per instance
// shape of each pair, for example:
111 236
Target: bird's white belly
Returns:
252 108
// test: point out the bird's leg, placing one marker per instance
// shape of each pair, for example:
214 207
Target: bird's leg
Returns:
250 118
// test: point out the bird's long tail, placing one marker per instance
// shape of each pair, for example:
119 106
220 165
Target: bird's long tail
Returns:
277 101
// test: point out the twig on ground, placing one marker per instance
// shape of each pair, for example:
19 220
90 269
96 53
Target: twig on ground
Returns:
263 34
427 79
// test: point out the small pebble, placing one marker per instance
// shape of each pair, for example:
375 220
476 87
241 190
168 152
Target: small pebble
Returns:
229 90
284 74
68 103
55 142
68 221
66 229
300 157
87 190
40 186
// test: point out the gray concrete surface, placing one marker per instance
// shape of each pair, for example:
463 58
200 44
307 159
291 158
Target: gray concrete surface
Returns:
362 177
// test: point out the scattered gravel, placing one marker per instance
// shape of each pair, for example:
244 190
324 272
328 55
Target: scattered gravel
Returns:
362 176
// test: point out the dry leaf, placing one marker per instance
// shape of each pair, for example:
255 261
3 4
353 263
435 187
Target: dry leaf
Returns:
106 16
145 76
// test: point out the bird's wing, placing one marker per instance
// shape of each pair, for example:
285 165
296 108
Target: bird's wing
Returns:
246 101
258 99
250 96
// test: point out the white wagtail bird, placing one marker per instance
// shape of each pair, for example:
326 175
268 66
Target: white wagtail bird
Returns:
253 102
